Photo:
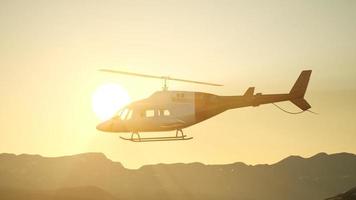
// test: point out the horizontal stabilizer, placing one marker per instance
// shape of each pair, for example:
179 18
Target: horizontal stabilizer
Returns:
249 91
301 103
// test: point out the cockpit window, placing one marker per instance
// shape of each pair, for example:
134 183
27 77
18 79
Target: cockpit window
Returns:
124 114
129 115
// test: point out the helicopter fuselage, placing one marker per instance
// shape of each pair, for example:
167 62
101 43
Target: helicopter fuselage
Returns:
173 110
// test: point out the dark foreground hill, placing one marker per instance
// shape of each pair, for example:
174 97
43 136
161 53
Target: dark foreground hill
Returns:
348 195
77 193
293 178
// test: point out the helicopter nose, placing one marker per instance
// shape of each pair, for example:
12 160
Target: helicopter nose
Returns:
105 126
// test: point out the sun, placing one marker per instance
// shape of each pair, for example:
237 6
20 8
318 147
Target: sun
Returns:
108 99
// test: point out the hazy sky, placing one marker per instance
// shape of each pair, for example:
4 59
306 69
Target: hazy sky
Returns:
50 52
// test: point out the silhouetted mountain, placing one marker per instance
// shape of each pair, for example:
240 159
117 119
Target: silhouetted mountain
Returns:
293 178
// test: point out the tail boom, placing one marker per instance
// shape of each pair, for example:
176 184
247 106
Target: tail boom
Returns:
208 105
296 95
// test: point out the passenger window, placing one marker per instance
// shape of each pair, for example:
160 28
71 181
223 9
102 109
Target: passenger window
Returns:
163 112
150 113
166 113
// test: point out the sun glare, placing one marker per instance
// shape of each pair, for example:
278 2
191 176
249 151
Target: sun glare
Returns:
108 99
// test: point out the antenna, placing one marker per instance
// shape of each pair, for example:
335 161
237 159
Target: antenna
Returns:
165 78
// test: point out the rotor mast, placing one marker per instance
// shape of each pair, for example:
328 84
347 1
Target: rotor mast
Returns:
165 86
164 78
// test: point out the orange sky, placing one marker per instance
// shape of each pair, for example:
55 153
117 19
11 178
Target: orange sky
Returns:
50 52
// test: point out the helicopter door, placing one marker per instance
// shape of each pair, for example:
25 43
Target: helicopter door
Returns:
147 119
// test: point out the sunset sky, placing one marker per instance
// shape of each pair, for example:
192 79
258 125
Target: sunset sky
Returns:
50 53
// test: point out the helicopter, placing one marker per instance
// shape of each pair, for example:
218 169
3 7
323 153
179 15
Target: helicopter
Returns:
169 110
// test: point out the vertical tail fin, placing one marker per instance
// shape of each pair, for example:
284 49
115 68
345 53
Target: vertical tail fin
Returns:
249 91
298 90
301 85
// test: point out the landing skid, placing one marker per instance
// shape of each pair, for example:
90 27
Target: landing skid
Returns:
138 138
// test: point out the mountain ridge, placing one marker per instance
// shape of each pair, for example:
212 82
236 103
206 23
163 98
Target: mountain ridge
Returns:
316 177
99 155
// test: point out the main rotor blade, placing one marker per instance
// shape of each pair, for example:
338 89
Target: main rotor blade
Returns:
158 77
131 73
197 82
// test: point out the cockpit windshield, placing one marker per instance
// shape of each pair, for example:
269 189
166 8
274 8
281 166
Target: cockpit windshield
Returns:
124 114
